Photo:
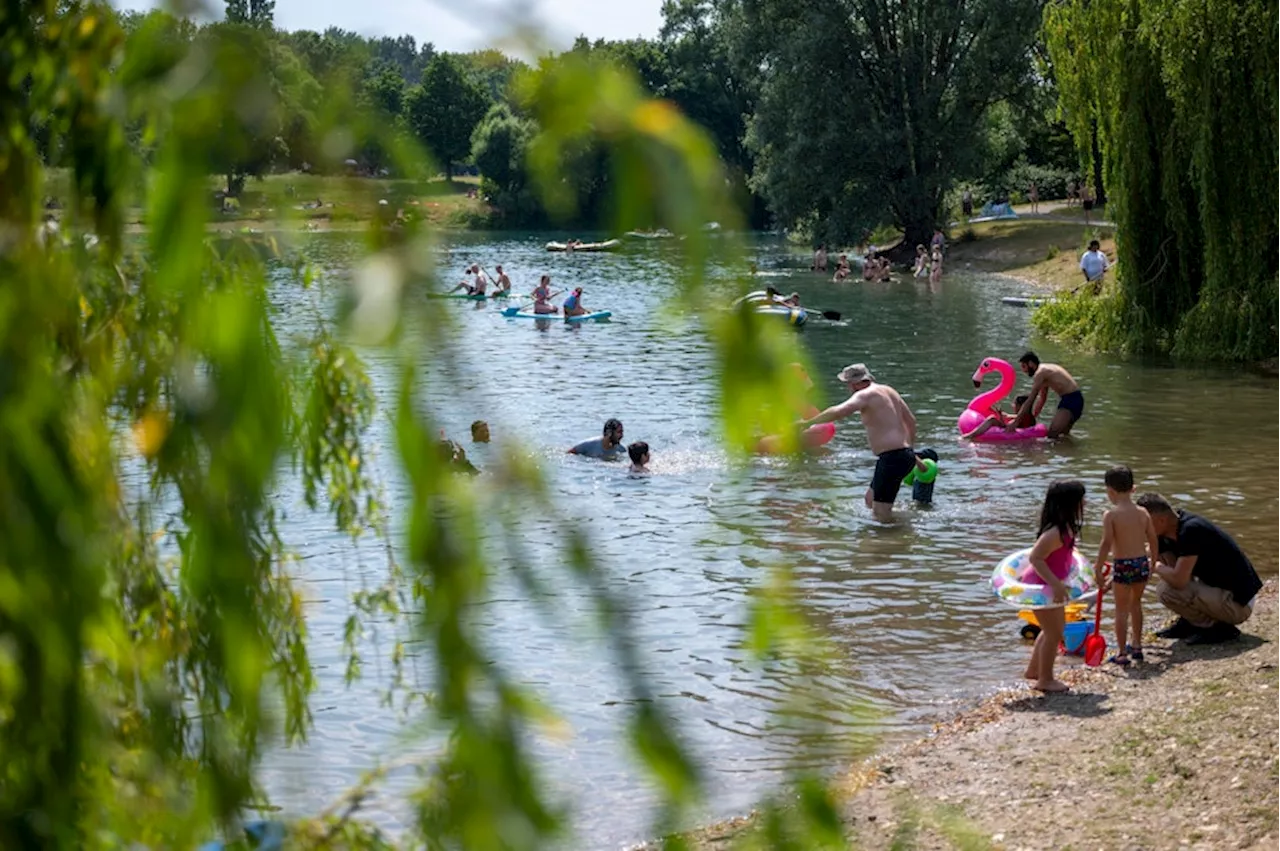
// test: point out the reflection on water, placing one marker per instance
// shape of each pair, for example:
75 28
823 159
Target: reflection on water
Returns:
906 607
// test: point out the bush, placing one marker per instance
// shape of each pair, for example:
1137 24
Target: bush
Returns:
1051 183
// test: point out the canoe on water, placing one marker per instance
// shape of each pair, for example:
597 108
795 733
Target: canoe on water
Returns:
1027 300
593 316
469 296
609 245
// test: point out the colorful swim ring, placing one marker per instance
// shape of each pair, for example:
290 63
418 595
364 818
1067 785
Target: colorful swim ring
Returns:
810 438
1009 581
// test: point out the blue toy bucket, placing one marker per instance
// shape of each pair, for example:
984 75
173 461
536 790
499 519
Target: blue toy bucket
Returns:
1076 633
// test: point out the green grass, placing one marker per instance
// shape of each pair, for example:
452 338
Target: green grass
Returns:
344 198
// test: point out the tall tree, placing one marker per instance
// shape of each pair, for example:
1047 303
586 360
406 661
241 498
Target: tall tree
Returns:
1175 102
869 108
257 13
443 112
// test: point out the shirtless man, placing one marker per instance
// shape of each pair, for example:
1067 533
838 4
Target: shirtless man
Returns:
891 431
502 284
1046 377
472 289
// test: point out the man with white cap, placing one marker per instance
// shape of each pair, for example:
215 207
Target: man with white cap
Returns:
891 431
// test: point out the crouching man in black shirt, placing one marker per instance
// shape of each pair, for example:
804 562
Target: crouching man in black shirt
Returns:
1205 577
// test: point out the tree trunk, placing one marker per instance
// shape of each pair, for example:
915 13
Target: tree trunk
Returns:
448 171
1099 194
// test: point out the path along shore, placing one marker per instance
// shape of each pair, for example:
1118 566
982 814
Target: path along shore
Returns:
1179 752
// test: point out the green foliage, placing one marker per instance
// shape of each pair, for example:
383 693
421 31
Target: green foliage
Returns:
914 83
443 112
256 13
1184 122
152 640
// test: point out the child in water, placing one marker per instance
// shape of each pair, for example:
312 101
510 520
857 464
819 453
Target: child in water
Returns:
1129 537
1001 419
921 269
1051 557
639 453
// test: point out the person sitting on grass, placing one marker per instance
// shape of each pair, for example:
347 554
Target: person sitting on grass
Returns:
1020 418
639 454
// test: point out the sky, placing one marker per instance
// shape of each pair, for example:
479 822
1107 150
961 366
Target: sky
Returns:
461 25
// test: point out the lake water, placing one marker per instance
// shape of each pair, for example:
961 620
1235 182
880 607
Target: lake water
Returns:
907 607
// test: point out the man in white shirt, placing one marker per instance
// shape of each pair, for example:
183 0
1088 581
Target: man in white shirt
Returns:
1094 264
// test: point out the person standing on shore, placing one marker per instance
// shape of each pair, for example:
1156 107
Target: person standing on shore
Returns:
1205 578
966 203
891 431
1060 519
1094 265
1033 195
1129 537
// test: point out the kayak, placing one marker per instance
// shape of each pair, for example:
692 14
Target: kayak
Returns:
595 315
1028 301
469 296
610 245
656 234
796 316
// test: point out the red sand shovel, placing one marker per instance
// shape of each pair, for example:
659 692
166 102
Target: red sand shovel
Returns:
1095 646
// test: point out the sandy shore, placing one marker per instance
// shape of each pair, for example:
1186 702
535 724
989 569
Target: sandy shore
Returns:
1177 752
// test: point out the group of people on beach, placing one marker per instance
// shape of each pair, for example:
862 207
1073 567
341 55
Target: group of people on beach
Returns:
541 295
1204 576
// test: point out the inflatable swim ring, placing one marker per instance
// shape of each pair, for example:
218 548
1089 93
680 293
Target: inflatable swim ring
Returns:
980 408
1008 581
812 437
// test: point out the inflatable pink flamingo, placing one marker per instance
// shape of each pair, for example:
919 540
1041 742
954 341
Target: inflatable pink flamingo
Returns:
981 407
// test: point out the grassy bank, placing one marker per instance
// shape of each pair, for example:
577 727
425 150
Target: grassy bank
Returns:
1043 252
1179 751
291 200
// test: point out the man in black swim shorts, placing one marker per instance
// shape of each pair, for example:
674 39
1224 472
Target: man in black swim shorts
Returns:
891 431
1046 377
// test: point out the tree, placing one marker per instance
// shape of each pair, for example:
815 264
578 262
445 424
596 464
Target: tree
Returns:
443 111
381 98
255 13
499 145
869 108
277 98
1175 104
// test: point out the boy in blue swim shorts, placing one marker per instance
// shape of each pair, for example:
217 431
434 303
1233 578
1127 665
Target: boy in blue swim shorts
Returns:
1129 537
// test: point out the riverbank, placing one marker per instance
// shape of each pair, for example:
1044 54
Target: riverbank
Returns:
1043 252
1176 752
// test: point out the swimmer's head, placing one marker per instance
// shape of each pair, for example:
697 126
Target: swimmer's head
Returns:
480 431
639 453
613 429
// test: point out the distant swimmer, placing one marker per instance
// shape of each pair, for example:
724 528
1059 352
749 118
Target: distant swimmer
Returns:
639 454
608 446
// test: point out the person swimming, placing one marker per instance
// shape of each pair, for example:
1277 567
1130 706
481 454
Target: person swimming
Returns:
638 452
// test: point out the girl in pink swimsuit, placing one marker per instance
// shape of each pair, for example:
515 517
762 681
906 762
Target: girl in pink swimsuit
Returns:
1051 558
